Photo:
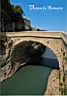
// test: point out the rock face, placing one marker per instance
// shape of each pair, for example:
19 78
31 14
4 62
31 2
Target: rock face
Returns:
35 49
19 54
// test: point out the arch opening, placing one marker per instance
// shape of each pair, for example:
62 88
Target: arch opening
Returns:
35 53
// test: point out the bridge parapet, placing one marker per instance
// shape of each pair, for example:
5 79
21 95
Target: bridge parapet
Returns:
34 33
64 37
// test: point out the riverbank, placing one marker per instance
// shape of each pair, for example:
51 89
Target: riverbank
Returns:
53 83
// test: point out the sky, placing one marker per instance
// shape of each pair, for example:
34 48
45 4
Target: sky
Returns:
51 19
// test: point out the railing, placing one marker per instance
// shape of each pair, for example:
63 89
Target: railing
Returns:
64 37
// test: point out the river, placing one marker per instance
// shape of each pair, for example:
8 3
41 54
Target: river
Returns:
31 79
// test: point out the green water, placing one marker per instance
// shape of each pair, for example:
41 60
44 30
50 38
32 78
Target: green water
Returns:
29 80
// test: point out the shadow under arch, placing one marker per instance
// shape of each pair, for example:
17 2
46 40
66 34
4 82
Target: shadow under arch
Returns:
57 59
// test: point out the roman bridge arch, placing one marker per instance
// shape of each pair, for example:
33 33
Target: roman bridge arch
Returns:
50 40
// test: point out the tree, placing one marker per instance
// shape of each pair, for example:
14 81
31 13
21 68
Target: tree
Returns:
17 9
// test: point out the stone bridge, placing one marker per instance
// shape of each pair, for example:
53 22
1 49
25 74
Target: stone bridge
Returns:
56 41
